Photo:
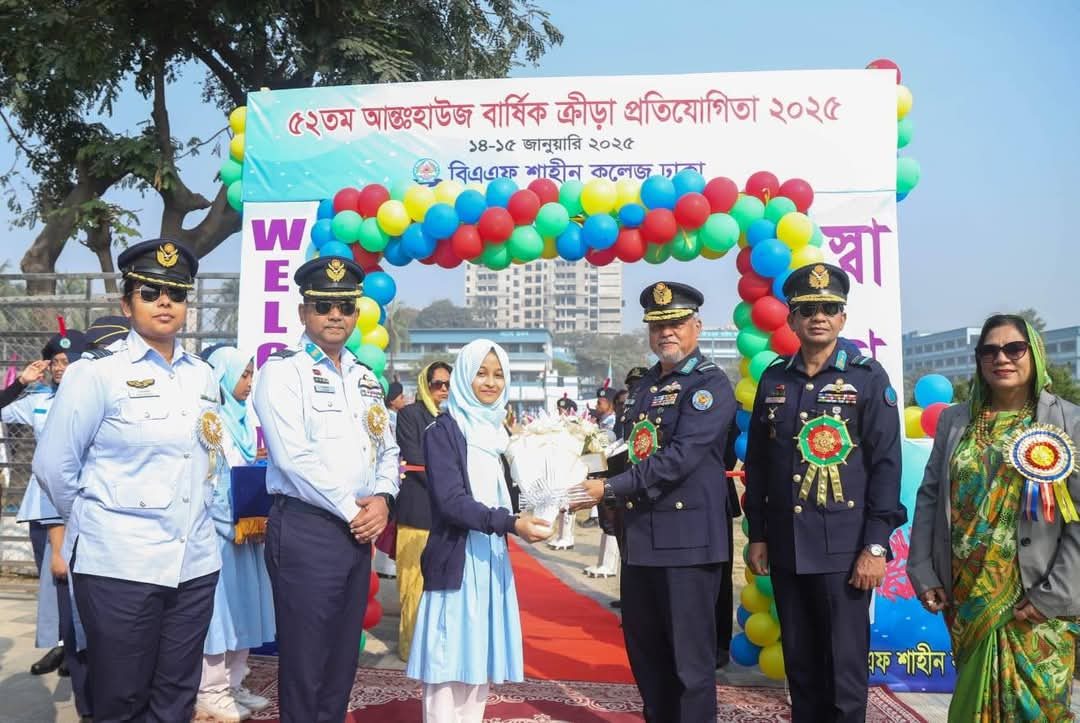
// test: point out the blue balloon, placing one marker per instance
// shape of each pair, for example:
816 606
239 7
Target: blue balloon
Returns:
742 420
740 446
416 243
743 651
688 181
336 248
570 245
901 196
933 389
770 258
440 221
632 215
380 287
322 232
658 192
394 254
326 208
600 231
382 314
469 205
742 615
760 230
311 252
499 191
778 285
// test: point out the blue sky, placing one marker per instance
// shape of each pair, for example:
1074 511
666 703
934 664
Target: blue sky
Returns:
990 226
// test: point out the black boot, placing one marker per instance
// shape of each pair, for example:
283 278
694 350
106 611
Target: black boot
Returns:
49 662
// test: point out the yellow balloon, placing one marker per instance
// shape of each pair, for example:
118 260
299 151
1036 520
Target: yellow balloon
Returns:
236 147
392 217
913 422
744 368
771 661
746 390
707 253
748 576
795 230
598 196
806 255
418 199
743 243
238 119
627 192
754 600
550 251
448 191
762 629
367 314
904 101
747 406
377 336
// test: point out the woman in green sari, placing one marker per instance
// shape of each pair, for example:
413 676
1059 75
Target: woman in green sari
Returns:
995 542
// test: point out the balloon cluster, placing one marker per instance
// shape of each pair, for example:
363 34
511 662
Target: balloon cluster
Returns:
907 168
232 170
759 642
373 612
933 395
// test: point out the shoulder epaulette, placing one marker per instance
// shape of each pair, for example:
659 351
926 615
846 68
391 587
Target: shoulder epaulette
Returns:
706 366
98 353
778 361
282 354
862 361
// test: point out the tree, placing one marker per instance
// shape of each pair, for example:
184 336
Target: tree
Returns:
1063 384
595 353
444 314
64 65
1032 317
564 369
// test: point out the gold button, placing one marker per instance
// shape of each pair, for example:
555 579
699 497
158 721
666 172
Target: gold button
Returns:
850 504
658 420
809 387
402 475
678 505
641 416
798 509
803 415
404 462
796 478
629 505
652 389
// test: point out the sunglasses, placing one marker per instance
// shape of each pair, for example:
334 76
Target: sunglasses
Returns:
438 384
151 293
829 308
1014 351
322 308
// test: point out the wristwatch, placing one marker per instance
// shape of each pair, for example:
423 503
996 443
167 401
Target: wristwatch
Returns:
389 502
875 550
609 494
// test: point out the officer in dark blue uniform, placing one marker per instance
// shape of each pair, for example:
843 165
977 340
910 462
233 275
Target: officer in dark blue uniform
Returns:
674 511
823 497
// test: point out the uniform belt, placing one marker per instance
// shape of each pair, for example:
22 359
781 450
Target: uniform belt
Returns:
285 502
413 468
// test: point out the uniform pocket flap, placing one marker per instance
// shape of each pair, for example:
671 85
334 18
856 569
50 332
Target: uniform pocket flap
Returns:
144 496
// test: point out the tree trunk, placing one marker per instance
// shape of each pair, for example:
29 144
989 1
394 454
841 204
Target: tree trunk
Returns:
99 240
41 257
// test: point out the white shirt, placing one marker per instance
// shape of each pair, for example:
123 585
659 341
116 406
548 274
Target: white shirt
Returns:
31 409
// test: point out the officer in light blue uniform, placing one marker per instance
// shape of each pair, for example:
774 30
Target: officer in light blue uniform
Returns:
128 459
333 469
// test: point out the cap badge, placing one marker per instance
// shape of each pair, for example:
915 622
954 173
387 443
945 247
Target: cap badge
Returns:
661 294
335 270
819 277
168 255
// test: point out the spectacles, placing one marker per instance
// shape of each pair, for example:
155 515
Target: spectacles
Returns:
322 308
829 308
150 293
1014 351
438 384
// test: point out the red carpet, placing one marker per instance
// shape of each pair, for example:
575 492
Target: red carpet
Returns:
567 635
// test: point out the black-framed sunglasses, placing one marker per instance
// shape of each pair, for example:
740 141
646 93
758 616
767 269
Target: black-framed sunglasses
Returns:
150 293
438 384
829 308
1014 351
323 306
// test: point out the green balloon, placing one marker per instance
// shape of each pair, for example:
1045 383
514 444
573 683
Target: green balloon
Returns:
746 526
235 195
746 554
685 246
774 613
907 174
720 233
657 253
760 362
231 172
353 342
398 190
779 207
363 640
747 210
570 197
816 237
371 237
741 315
552 220
372 357
496 256
751 342
764 585
905 128
346 226
384 384
525 244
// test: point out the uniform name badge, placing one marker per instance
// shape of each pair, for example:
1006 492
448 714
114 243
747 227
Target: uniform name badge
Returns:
211 433
825 444
1045 456
643 441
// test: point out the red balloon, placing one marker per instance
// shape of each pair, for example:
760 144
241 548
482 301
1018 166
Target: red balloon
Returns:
930 416
601 258
742 261
752 286
466 242
371 197
545 189
372 615
495 225
365 258
659 226
764 185
523 206
769 313
630 246
886 64
783 341
429 261
373 269
346 199
445 256
373 586
799 192
722 193
692 211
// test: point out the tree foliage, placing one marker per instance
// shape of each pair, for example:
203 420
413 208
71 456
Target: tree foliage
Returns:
444 314
594 353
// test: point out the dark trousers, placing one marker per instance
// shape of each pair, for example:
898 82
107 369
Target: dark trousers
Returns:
669 625
320 576
725 604
826 640
144 645
38 537
77 662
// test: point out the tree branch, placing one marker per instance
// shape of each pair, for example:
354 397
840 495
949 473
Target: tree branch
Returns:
221 72
221 221
15 136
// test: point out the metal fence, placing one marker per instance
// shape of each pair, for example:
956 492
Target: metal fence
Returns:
27 322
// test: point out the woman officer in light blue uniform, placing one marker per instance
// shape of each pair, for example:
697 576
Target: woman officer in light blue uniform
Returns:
129 456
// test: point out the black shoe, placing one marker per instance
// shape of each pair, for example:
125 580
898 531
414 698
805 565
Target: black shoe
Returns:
63 671
86 719
723 657
49 662
617 604
589 522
